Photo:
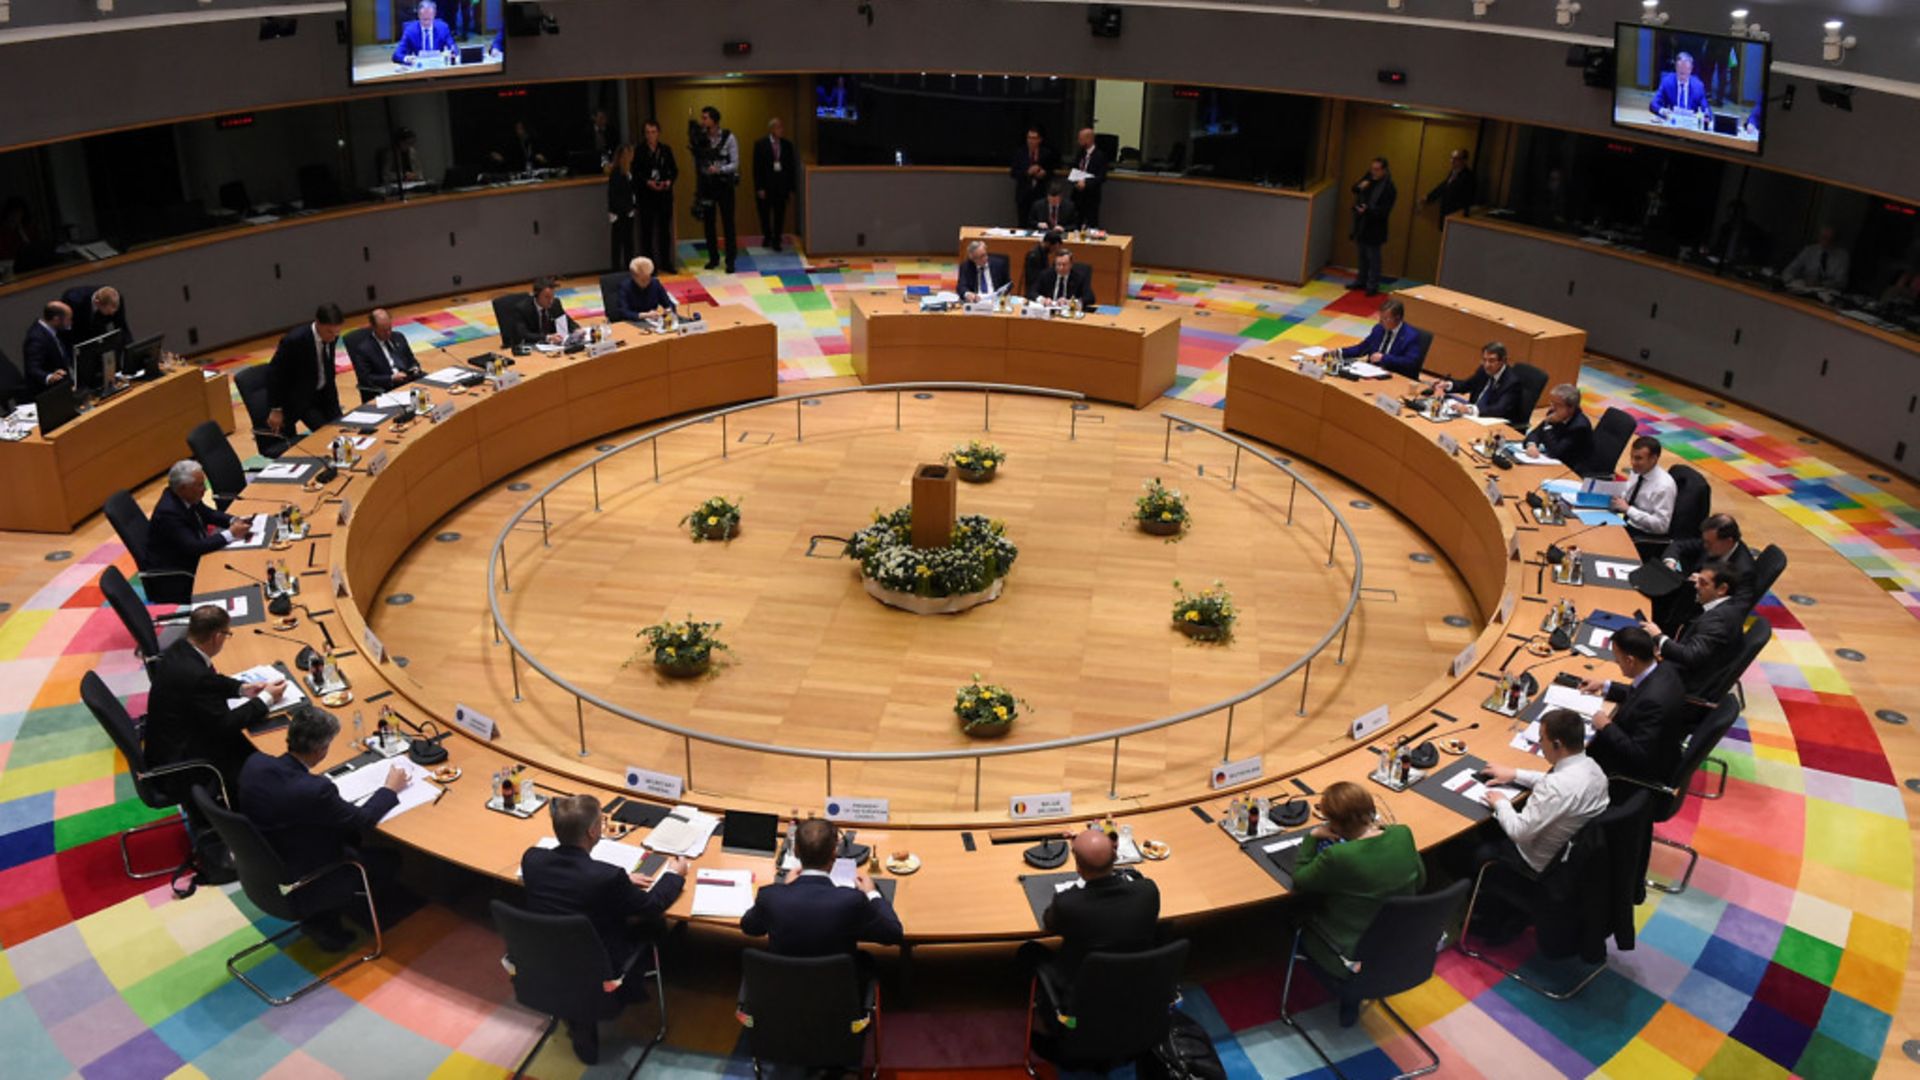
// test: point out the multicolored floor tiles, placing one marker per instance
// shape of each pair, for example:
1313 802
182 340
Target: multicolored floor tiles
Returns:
1784 958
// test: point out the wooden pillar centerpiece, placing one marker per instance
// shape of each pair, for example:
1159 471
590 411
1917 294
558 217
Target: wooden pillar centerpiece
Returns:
935 504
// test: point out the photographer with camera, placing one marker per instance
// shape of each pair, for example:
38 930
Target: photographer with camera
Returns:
716 159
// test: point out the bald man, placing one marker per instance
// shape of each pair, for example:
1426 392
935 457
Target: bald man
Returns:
382 359
1092 161
45 353
1109 910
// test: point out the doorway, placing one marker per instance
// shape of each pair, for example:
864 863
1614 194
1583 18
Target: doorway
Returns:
1417 147
745 107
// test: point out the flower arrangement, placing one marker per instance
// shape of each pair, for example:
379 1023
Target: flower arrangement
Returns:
715 519
1207 615
985 710
1162 510
978 555
681 649
977 461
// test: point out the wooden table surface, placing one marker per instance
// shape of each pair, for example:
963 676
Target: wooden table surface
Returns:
1462 324
1110 258
958 895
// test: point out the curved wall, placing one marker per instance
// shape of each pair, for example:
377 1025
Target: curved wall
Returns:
1493 75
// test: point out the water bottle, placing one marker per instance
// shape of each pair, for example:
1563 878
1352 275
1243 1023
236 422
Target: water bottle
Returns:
359 728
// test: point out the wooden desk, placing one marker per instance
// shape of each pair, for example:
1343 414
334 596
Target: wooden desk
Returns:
958 895
1111 259
1129 357
59 480
1462 324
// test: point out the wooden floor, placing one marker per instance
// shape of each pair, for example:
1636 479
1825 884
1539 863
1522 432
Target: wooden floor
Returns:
1082 632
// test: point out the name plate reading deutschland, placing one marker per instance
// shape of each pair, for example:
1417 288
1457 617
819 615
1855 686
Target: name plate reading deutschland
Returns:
658 784
1049 804
1232 773
1387 403
473 723
440 411
1493 491
376 461
1366 724
860 811
1463 661
376 649
1448 443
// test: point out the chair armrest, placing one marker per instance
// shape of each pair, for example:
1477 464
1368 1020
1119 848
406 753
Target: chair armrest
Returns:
1050 994
1660 789
144 574
289 888
190 766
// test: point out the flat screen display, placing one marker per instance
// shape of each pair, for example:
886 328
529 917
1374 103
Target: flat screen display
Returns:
412 40
834 99
1703 88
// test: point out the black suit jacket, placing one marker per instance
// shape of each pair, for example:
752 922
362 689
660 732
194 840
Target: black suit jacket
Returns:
621 192
1069 214
43 352
970 274
1036 263
775 184
88 323
1372 207
188 718
370 366
1649 723
1503 400
1704 647
1097 165
1079 283
527 324
1454 192
302 816
811 916
1026 189
1691 553
1571 443
569 881
293 373
178 534
1116 913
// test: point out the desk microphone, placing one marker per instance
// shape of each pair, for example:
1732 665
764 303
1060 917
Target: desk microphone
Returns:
304 660
423 749
1555 553
278 606
1427 755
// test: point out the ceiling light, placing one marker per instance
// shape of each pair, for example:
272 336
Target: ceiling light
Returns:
1480 8
1564 11
1833 47
1651 14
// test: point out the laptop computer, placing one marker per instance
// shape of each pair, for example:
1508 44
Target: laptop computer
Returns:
56 406
745 833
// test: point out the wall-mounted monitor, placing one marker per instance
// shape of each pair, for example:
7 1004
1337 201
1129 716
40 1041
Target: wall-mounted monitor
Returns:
1703 88
835 98
410 40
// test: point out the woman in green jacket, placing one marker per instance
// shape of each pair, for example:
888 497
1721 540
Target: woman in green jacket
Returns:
1347 867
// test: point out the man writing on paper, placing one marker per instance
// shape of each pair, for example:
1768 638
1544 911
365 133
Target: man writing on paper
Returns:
1709 643
982 274
1648 502
1065 282
641 294
1493 390
300 380
1055 211
1565 435
626 909
1391 344
183 528
382 359
534 318
1641 735
1572 792
803 913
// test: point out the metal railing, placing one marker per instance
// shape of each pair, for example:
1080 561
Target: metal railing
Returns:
503 634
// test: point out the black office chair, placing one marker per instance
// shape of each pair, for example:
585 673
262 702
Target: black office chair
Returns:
252 383
610 291
125 732
1117 1008
1557 898
1610 437
1422 344
350 343
264 878
559 967
149 635
226 477
501 306
1394 955
1533 383
1767 568
233 196
130 524
1669 798
813 1012
1692 502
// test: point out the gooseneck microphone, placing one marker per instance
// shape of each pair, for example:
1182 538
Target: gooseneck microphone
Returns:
281 605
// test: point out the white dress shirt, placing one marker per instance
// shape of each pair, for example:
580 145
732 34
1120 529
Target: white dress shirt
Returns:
1564 798
1826 269
1650 508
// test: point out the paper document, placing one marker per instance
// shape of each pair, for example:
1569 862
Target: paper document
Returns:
290 695
1313 352
362 418
1368 371
1613 569
1282 845
722 894
611 852
446 376
1606 489
1570 697
257 536
1488 421
1599 517
397 399
1070 883
1521 457
1468 787
684 832
1074 176
359 785
295 470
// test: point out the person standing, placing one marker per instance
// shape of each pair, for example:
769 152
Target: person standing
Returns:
1091 161
621 206
1032 172
719 155
1373 196
1454 192
300 378
776 175
654 171
46 353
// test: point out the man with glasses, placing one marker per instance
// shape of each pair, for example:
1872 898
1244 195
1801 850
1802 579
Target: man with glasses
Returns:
184 528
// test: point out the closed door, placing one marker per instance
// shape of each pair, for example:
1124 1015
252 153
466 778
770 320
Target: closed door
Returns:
1416 147
1439 139
745 108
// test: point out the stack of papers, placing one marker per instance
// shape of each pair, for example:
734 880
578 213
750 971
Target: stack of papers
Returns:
685 832
363 418
398 399
446 376
290 695
286 470
257 537
1368 371
1570 697
722 894
612 852
1465 785
359 785
1521 457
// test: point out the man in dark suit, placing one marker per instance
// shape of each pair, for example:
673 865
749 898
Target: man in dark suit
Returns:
96 309
1092 161
187 714
533 318
1493 390
805 914
1115 911
306 822
982 274
1064 282
776 176
654 171
641 294
1032 172
1391 344
381 358
1710 641
1565 435
1454 192
425 34
1719 541
1039 258
45 353
1373 196
1054 210
625 908
1641 735
300 386
182 529
1680 91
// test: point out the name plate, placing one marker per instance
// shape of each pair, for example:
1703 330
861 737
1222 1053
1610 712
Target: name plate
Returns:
1046 805
860 811
1493 491
376 649
473 723
376 461
1366 724
339 582
658 784
1513 546
1036 311
1311 370
1232 773
1387 403
981 307
346 510
510 378
1448 443
440 411
1463 661
1506 608
598 348
698 326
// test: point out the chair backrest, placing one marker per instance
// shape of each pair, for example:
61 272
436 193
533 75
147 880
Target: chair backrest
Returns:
1610 437
1767 568
261 870
559 964
225 475
1533 383
252 384
1423 343
1752 640
1396 952
233 196
610 291
501 306
1705 738
1121 1003
1692 501
129 524
350 343
803 1009
132 613
125 734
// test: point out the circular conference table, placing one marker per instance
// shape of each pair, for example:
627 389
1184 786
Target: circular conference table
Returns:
968 888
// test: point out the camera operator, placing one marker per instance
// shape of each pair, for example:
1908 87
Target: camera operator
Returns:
716 159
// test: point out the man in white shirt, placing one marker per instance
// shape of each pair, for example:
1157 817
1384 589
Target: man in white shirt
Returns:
1648 502
1820 265
1572 792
